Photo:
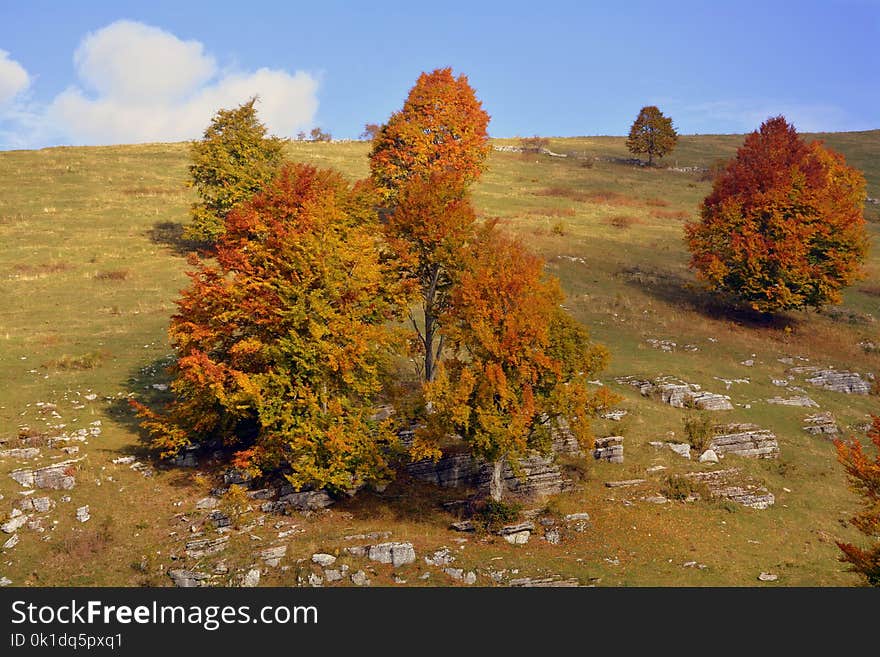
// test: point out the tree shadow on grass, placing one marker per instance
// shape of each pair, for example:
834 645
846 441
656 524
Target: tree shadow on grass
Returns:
171 234
678 292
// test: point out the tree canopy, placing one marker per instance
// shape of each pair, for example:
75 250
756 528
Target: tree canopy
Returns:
280 343
783 227
442 125
652 134
234 159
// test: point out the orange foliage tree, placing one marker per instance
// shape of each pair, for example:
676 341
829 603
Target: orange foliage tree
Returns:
520 363
783 227
280 344
429 230
864 478
442 126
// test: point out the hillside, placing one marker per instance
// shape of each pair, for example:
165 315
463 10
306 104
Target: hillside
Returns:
91 263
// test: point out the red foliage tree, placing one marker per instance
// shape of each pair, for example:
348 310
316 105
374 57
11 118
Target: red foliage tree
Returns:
783 227
864 478
280 343
442 126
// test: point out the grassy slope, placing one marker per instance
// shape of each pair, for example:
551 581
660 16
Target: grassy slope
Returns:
90 270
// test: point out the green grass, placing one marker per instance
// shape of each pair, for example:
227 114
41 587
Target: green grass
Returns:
91 261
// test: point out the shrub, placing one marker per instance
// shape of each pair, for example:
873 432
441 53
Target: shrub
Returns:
534 144
677 487
700 430
492 515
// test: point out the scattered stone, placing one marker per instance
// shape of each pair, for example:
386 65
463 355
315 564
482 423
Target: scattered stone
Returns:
656 499
220 519
206 546
11 542
682 449
332 575
579 522
677 393
17 521
609 448
463 526
768 577
396 554
656 468
82 513
616 415
5 581
38 504
312 500
552 581
323 559
745 439
251 578
359 578
188 578
553 536
709 456
272 556
53 476
748 363
315 580
124 460
850 383
799 400
470 577
821 424
207 503
624 483
20 453
518 534
441 557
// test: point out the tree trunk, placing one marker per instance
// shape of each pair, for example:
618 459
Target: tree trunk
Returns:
496 487
431 357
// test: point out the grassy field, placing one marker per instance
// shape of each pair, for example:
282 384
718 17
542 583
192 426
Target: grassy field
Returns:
91 263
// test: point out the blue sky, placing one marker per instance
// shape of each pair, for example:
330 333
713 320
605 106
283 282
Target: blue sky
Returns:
124 71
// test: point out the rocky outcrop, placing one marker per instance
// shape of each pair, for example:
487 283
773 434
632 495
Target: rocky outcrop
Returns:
678 393
311 500
20 453
188 578
397 554
730 485
58 476
204 547
535 476
850 383
821 424
800 400
609 448
745 440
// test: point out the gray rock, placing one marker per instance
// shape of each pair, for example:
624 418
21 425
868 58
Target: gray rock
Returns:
11 542
553 536
359 578
315 580
709 456
747 440
463 526
552 581
5 581
677 393
625 483
272 556
332 575
323 559
768 577
821 424
188 578
731 485
396 554
850 383
577 517
15 523
799 400
312 500
441 557
204 547
455 573
682 449
609 448
82 513
207 503
124 460
20 453
186 458
615 415
251 578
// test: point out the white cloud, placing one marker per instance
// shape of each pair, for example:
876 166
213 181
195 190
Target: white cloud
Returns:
13 78
138 83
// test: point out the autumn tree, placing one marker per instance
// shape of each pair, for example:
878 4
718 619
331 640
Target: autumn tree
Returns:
316 134
429 230
232 161
651 133
864 478
534 144
279 344
442 126
783 226
370 131
520 364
